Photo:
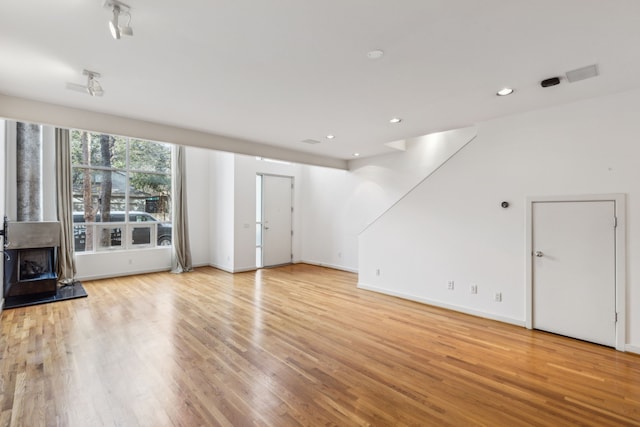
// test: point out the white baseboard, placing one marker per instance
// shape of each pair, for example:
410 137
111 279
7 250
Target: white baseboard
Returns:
630 348
244 270
440 304
231 270
123 274
201 264
324 264
319 264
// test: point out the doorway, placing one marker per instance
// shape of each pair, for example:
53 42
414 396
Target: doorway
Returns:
274 214
575 267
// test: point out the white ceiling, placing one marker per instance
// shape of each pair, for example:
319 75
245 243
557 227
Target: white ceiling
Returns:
281 71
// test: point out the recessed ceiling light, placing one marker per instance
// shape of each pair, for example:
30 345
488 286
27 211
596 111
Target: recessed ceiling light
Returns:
356 154
505 91
395 120
375 54
330 136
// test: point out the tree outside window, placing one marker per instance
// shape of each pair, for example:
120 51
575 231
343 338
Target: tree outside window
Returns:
121 192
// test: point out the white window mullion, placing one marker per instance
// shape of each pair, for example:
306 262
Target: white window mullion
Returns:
127 226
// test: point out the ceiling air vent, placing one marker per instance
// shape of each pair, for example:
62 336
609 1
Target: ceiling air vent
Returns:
582 73
310 141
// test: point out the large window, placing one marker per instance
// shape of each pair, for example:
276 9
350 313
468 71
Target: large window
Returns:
121 192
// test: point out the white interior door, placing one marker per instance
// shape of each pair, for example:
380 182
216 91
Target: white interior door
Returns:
574 269
277 220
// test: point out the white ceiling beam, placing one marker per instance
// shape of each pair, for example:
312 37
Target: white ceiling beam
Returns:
28 110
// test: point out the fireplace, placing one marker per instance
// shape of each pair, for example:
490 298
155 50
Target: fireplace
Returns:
31 250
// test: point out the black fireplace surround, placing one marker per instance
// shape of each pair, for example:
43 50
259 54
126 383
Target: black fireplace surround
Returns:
30 261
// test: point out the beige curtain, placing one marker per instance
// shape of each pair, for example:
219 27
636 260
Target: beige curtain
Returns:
66 258
181 250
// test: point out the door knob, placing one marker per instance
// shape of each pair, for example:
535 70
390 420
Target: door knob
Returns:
539 254
266 228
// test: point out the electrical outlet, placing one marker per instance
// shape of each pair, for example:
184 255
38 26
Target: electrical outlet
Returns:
473 288
450 285
498 297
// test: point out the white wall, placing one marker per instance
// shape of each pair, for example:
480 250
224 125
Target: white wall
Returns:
10 172
197 179
121 263
49 199
453 228
338 205
3 126
221 210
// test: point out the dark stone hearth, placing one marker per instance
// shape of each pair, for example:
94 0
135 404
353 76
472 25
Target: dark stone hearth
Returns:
75 290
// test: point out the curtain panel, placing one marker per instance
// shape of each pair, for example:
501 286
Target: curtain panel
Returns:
66 259
181 260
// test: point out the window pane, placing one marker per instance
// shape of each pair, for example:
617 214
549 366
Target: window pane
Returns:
149 156
143 235
258 198
109 237
95 149
97 194
80 237
258 257
149 192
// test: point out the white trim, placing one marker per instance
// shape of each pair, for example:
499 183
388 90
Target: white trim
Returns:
333 266
619 200
219 267
243 270
232 270
201 264
632 348
122 274
439 304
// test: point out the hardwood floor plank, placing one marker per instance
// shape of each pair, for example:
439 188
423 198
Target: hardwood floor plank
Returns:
296 345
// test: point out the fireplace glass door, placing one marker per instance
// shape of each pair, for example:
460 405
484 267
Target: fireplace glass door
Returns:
35 264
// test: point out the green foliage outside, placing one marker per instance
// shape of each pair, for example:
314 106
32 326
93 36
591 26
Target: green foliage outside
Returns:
149 167
145 156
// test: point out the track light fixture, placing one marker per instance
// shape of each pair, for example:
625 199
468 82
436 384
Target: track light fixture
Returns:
93 86
118 9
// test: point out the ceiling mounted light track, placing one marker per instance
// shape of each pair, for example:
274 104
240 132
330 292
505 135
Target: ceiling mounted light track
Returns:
119 8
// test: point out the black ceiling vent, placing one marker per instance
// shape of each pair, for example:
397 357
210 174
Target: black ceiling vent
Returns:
550 82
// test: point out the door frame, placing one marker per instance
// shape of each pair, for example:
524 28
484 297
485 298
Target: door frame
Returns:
619 200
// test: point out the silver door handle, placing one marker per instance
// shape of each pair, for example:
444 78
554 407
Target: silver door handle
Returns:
539 254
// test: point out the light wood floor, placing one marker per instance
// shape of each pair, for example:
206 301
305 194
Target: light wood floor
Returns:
296 345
